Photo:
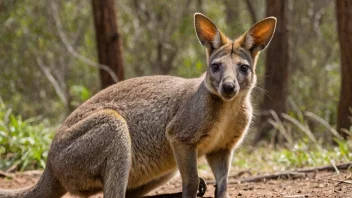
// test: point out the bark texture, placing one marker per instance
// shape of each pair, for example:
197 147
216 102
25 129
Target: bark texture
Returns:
277 70
344 28
108 41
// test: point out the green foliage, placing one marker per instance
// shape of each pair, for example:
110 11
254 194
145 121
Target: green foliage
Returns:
79 94
29 33
302 154
307 142
23 143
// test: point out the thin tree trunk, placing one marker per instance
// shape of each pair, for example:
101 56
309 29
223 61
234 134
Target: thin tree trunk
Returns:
252 11
277 70
344 27
108 40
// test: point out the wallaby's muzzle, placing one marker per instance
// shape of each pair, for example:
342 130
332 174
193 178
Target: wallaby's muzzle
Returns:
229 89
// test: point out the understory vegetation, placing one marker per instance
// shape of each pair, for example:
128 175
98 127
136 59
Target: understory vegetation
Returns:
24 145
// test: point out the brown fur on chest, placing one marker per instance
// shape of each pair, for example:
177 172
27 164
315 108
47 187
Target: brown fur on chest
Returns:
228 130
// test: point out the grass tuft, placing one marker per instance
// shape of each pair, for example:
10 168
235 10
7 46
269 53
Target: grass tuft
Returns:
24 144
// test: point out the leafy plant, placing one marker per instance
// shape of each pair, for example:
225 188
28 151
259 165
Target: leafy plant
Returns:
24 144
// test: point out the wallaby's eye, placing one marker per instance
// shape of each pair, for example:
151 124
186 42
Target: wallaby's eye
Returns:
244 69
215 67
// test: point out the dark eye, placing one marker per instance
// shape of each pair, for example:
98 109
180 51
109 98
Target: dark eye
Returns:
215 67
244 69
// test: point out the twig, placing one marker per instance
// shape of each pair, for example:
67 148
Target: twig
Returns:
4 174
33 172
341 181
344 166
280 175
280 127
334 165
294 196
72 51
323 122
53 81
259 178
302 127
239 174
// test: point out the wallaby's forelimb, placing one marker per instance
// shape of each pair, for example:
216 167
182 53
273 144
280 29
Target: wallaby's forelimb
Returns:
186 159
220 163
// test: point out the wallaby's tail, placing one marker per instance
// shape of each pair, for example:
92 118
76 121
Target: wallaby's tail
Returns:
47 187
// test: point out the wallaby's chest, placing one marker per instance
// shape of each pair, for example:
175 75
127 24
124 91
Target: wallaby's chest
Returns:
228 130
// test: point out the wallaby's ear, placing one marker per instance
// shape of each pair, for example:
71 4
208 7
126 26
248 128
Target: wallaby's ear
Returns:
259 35
208 34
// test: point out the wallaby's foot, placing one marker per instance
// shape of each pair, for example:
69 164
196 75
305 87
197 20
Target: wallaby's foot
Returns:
222 194
202 187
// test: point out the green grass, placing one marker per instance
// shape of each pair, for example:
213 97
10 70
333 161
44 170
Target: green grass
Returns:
303 154
24 144
302 147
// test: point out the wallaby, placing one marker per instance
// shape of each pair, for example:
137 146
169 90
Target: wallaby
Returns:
133 136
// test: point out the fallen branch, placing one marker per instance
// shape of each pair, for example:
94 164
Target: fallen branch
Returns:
280 175
344 166
341 181
300 173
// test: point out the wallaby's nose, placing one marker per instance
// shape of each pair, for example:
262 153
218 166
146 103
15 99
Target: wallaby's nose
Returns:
228 87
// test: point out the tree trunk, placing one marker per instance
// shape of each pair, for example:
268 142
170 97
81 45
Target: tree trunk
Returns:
344 28
108 41
252 11
277 70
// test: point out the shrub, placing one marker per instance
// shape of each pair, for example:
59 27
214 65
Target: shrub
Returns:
24 144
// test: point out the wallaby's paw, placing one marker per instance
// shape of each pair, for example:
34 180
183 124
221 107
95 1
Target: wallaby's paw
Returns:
202 187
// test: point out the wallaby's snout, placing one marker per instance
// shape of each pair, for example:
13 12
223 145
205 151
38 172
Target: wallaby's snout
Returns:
229 89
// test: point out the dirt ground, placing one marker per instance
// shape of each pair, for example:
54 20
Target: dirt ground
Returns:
322 184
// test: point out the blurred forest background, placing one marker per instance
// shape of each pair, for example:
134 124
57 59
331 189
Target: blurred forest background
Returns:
49 65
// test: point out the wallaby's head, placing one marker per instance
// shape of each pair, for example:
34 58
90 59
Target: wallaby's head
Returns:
231 63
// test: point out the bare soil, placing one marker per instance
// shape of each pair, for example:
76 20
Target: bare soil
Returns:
321 184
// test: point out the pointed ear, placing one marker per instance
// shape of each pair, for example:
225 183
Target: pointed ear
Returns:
208 34
258 37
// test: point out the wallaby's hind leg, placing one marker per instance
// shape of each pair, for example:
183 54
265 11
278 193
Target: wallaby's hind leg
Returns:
93 155
146 188
115 177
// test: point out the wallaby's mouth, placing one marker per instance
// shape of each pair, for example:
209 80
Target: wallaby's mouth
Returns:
228 96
